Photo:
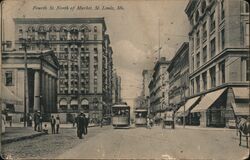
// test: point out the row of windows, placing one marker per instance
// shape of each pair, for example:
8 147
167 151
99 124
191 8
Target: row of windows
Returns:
63 29
204 58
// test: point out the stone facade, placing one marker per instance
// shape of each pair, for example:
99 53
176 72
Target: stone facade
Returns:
85 56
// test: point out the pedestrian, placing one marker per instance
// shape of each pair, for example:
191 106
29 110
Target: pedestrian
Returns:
101 123
148 123
86 123
57 124
45 129
36 120
80 125
53 124
40 123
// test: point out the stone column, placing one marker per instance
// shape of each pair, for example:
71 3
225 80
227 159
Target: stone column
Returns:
37 91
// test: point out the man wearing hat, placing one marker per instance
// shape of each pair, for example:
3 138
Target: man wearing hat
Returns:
80 125
36 119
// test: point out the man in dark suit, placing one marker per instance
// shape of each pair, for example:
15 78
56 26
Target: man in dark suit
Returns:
80 125
86 124
53 124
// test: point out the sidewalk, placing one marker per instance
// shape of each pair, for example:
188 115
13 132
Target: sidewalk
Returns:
203 128
14 134
17 132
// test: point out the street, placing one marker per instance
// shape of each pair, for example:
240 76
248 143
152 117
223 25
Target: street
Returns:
136 143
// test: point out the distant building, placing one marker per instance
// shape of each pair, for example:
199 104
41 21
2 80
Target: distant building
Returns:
42 82
219 60
145 94
116 87
157 87
179 82
85 56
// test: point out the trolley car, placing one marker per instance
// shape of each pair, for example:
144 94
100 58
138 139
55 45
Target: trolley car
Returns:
120 116
141 117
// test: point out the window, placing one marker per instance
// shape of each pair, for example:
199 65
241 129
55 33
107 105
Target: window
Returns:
192 62
204 80
212 24
212 77
9 79
212 47
198 60
198 84
95 29
204 29
198 39
204 52
192 87
222 72
245 7
222 10
222 39
95 37
246 35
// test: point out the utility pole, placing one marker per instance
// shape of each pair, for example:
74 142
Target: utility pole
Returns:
24 43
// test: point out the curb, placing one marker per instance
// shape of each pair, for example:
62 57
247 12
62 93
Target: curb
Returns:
6 141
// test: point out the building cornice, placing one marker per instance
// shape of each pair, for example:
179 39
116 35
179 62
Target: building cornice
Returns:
225 52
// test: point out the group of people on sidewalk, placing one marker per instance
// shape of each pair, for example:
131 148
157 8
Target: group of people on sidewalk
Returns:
81 121
54 122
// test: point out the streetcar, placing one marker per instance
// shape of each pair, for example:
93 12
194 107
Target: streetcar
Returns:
141 117
120 116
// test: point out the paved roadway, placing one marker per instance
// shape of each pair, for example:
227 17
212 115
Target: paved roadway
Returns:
156 143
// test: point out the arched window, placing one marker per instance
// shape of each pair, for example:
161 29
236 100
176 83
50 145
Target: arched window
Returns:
85 105
74 104
63 104
73 33
63 33
41 33
84 30
52 33
31 33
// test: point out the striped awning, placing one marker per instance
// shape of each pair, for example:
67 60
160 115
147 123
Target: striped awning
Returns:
241 109
208 100
241 92
9 97
188 106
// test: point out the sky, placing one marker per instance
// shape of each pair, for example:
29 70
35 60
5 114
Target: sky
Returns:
136 31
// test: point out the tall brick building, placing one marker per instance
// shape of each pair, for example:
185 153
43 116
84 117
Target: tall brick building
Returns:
85 57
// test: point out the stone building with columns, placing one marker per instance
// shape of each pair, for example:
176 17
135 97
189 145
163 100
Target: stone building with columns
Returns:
42 67
219 60
85 57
